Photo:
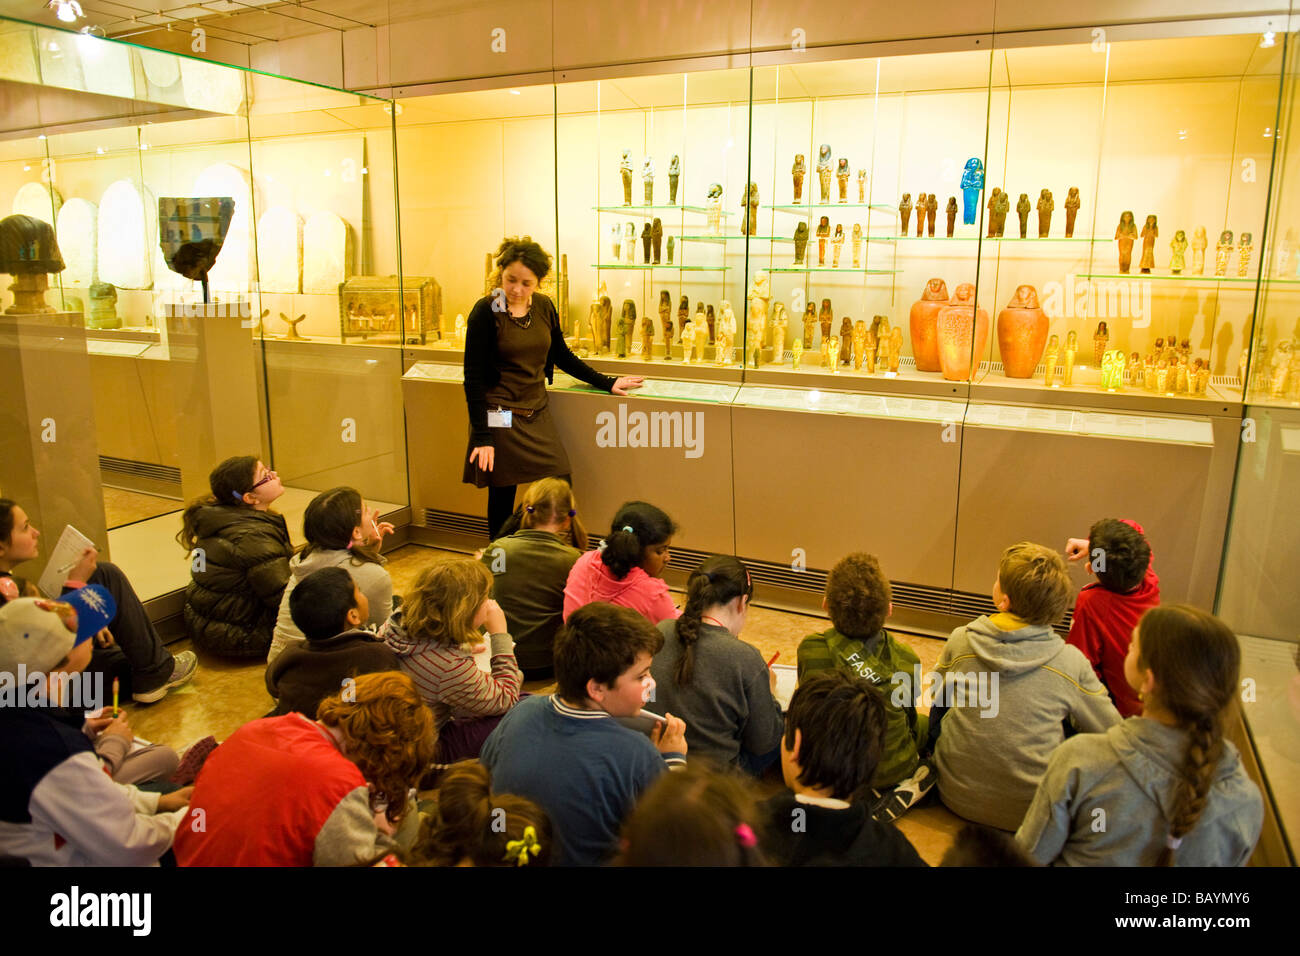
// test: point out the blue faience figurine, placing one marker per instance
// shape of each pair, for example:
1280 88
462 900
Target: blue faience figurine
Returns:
972 181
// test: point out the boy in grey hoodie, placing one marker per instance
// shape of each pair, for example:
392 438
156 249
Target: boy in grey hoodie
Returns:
1008 684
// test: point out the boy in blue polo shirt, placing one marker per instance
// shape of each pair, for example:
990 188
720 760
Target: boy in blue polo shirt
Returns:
568 753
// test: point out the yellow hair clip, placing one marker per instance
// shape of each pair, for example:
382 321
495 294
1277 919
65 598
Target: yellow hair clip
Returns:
519 849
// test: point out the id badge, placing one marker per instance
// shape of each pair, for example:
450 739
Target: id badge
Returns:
499 418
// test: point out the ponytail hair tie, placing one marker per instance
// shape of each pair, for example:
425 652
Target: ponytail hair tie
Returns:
529 509
745 836
1173 842
238 497
601 547
628 529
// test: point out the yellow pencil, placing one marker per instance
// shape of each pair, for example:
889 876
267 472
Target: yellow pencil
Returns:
115 688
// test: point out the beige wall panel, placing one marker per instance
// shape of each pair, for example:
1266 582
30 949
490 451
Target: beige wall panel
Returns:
832 484
315 390
457 41
139 420
829 24
437 430
1018 486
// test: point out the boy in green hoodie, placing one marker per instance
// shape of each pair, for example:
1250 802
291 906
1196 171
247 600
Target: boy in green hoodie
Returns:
1009 683
858 601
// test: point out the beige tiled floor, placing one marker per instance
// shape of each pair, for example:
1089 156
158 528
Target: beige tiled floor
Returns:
226 694
122 506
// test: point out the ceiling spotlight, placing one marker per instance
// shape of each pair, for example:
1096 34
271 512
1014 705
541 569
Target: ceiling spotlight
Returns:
69 11
93 30
1267 39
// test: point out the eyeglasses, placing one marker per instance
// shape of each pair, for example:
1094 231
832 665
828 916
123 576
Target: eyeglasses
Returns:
265 478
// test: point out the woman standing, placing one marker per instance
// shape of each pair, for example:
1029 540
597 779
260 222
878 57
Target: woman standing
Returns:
513 341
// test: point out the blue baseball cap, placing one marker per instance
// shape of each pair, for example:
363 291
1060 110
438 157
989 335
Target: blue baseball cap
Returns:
95 607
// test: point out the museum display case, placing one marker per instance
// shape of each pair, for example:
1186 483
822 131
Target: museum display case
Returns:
197 225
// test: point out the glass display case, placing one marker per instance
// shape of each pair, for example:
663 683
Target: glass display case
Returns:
206 219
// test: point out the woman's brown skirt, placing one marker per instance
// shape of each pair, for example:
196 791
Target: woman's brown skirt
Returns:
529 450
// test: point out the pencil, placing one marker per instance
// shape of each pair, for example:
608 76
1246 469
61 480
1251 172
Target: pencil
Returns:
774 657
646 713
115 689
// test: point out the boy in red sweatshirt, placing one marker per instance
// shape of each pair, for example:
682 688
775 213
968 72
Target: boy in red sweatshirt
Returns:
1118 555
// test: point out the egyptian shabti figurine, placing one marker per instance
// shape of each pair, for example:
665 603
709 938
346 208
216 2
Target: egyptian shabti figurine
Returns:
726 334
798 170
1071 350
629 243
703 331
657 238
1045 207
1178 252
714 201
1000 212
760 295
672 242
904 213
1053 351
857 244
882 334
626 325
800 242
931 211
838 242
647 338
823 233
749 226
972 181
711 320
647 239
796 352
921 200
951 210
862 186
1099 341
842 177
674 171
859 343
1126 234
1243 255
648 177
846 341
993 211
1071 211
616 240
824 171
1149 233
825 317
1222 252
831 360
1199 244
666 319
625 170
809 323
780 327
1022 211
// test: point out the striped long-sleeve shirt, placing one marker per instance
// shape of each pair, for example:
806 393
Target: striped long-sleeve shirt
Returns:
448 678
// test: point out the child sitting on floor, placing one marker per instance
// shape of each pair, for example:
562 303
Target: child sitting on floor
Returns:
713 680
1169 789
530 568
472 827
858 601
1106 612
341 533
1009 684
568 753
627 569
328 608
700 816
834 735
435 635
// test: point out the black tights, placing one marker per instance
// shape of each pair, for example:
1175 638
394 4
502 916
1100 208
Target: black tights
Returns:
501 506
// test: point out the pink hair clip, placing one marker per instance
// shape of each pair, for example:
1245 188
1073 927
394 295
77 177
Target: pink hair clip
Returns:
745 836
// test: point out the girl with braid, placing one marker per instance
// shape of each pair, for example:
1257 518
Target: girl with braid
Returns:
714 681
1163 789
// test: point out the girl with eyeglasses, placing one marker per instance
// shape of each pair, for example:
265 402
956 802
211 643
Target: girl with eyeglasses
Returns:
239 559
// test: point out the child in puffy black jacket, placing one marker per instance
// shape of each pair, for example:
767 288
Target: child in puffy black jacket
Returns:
239 560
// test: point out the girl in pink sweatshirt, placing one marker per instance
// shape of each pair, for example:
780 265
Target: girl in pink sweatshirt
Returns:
626 569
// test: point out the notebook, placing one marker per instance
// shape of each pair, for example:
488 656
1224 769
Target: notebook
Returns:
787 677
66 554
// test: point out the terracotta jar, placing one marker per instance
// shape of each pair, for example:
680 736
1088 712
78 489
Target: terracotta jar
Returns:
925 339
963 335
1022 333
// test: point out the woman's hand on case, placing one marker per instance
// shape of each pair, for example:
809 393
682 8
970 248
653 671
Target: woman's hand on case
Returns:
484 456
625 383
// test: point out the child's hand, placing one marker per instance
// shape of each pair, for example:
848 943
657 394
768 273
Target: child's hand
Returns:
1076 548
175 800
104 638
670 736
771 679
83 569
496 618
119 727
94 726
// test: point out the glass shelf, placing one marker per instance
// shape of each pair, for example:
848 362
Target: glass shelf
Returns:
843 270
645 267
652 210
1212 280
1027 240
804 207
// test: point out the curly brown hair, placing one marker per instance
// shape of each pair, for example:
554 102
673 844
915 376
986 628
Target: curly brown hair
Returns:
446 596
470 823
857 595
387 732
1196 662
1035 581
521 249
